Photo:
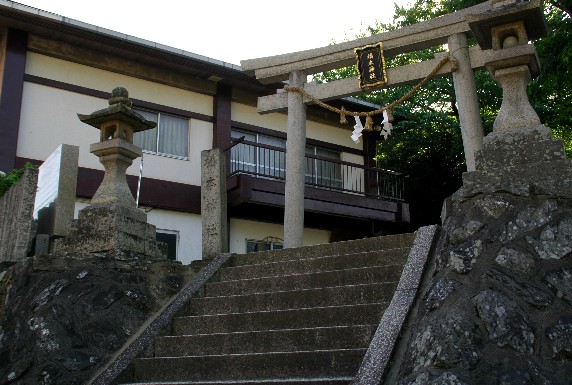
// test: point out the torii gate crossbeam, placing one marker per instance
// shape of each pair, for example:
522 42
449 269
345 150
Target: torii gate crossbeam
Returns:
452 29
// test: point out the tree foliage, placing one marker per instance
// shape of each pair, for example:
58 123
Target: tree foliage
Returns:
551 92
10 179
426 142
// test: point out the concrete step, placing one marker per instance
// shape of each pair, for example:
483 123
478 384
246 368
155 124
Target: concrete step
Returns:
337 248
270 381
285 340
362 314
329 363
312 265
387 273
295 316
293 299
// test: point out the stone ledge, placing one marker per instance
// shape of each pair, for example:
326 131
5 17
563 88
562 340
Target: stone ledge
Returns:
378 355
511 148
552 178
532 133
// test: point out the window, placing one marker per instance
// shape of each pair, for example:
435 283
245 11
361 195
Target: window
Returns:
170 137
171 238
322 172
262 161
259 160
268 243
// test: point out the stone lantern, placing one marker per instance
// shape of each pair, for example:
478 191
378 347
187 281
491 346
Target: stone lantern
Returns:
520 156
115 149
504 34
112 222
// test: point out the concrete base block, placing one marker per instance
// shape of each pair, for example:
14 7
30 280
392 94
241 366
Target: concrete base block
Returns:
522 161
42 244
109 227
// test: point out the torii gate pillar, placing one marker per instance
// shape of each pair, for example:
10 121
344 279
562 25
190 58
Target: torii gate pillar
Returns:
467 99
295 158
480 19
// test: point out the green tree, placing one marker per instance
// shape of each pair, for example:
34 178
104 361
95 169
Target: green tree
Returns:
426 142
551 92
10 179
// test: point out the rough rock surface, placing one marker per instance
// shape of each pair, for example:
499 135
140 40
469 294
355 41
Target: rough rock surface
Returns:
495 306
501 312
61 317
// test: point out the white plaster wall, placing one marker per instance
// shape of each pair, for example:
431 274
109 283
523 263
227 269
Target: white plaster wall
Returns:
352 158
247 114
332 134
201 139
49 118
97 79
279 122
241 229
188 226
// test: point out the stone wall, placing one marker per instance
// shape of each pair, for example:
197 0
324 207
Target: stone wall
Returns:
496 303
62 318
16 217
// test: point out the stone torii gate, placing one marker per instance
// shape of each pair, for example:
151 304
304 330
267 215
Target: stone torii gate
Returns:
502 28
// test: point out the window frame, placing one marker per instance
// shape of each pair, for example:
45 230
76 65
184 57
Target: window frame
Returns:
273 245
158 136
319 176
259 165
176 233
312 178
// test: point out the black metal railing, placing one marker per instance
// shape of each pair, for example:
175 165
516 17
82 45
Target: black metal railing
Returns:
264 161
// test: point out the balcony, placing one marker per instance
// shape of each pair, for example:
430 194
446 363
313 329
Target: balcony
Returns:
337 194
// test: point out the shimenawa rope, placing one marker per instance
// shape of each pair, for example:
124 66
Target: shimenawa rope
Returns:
368 114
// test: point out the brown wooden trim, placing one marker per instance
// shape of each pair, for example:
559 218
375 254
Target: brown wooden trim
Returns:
154 192
334 147
246 189
370 151
258 129
11 96
106 95
277 187
370 140
325 208
172 110
222 112
309 141
66 86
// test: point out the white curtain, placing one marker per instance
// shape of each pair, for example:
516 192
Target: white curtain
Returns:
173 136
147 139
322 172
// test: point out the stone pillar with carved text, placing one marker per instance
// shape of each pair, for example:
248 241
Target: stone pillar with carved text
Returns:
213 203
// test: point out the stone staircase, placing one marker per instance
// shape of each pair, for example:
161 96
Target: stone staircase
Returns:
293 316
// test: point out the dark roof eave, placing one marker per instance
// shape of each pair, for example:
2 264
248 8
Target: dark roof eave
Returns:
34 20
69 30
